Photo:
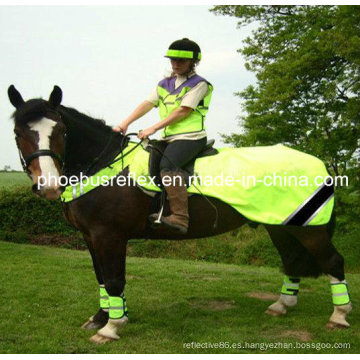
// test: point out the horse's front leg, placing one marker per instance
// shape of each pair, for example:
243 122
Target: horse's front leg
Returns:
100 319
288 296
111 254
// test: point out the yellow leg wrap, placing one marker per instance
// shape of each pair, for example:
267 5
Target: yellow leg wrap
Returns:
340 294
104 298
118 307
290 286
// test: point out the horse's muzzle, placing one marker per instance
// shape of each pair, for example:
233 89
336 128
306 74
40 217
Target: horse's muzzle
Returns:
49 193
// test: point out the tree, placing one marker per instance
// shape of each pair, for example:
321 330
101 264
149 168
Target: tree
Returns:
307 95
307 63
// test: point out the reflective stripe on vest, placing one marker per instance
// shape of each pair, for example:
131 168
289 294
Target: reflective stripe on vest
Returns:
170 100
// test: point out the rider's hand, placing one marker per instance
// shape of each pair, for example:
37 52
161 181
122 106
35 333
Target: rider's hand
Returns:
143 134
121 128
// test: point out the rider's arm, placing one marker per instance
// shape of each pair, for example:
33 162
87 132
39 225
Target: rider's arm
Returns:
139 111
195 95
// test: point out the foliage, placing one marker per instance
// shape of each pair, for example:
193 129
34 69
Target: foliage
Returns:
348 203
22 215
307 95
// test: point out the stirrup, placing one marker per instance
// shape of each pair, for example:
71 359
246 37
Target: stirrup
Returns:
155 224
155 219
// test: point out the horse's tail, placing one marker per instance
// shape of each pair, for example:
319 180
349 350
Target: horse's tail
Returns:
330 226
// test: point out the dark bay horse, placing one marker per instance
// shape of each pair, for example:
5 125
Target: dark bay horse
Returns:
59 141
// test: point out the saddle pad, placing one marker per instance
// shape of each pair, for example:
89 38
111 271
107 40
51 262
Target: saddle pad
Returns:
258 182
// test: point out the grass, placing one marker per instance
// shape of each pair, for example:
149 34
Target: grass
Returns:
10 179
48 293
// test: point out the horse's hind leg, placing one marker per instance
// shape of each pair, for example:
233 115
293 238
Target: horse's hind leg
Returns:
342 303
292 256
111 253
100 319
317 240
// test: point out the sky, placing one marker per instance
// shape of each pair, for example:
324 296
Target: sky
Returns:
108 59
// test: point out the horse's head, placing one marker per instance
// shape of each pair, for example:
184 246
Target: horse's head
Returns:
39 135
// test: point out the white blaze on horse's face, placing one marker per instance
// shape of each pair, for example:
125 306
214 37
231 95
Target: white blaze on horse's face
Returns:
49 172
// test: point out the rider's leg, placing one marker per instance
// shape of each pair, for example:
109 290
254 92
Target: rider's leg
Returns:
176 155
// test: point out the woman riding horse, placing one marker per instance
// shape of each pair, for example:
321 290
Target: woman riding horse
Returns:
58 141
183 100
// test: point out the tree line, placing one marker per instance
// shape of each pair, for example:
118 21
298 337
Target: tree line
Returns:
307 94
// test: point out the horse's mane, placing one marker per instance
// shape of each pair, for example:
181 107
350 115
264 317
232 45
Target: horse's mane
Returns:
72 113
82 149
37 108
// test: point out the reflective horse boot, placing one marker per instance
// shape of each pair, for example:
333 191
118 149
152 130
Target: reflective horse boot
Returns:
117 319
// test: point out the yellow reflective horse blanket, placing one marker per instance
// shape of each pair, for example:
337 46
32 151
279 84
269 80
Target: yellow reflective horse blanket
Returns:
266 184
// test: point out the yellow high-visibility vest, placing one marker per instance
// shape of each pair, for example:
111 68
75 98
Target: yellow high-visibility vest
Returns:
170 100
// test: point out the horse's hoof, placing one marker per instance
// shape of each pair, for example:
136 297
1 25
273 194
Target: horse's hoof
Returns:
333 325
276 309
91 325
100 339
274 313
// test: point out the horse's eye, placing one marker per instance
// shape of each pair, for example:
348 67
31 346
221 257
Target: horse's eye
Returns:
17 133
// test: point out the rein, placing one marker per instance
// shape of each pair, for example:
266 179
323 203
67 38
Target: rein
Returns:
122 149
97 158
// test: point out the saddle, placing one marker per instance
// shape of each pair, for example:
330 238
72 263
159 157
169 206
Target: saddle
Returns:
156 149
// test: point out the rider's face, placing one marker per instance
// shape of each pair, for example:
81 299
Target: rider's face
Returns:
180 66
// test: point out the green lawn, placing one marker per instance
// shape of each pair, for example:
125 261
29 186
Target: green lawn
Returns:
13 179
48 293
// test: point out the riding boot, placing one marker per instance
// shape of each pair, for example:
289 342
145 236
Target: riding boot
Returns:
178 202
175 188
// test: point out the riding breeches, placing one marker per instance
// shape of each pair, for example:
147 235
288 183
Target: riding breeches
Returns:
180 152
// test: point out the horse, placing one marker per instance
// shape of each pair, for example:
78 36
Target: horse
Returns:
60 141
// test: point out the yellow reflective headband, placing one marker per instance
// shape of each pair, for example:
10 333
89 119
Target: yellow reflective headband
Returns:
184 54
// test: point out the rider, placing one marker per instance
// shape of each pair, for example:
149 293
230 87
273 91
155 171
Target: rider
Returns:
183 100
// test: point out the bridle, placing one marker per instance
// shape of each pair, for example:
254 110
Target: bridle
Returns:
26 161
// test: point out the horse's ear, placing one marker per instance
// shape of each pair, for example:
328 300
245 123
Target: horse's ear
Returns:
15 97
55 97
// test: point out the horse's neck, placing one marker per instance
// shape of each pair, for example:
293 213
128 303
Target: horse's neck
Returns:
87 148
